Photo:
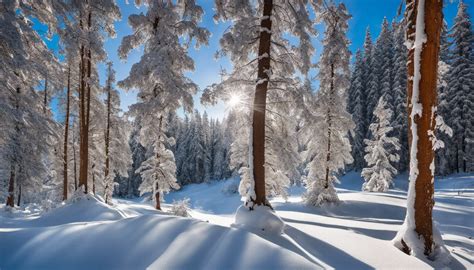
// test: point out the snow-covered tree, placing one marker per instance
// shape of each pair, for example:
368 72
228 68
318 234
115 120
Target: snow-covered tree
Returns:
117 151
26 132
264 67
460 94
331 125
357 108
381 151
165 31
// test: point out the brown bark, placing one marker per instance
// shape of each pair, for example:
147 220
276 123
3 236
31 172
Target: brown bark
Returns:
74 155
425 123
11 188
85 96
328 154
259 105
45 101
66 133
107 138
157 198
18 201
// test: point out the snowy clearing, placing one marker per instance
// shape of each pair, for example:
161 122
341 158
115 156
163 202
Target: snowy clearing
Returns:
132 235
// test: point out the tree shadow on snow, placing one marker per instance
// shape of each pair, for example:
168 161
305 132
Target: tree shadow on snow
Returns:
327 253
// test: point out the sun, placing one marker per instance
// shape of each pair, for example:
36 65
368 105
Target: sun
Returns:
234 100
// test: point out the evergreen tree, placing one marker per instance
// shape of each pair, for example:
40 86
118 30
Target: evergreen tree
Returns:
460 85
159 76
380 151
332 123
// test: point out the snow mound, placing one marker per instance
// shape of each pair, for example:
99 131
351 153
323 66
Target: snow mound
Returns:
84 208
261 218
144 242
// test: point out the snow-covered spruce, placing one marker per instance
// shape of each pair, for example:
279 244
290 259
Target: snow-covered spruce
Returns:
165 30
329 144
285 91
380 151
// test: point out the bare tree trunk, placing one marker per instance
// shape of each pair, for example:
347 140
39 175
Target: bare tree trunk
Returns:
328 154
74 155
66 133
18 201
107 139
45 101
157 198
11 188
425 123
259 105
85 113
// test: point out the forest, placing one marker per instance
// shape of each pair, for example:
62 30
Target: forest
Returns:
236 134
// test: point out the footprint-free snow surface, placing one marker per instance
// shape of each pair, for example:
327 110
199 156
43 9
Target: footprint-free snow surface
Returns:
88 234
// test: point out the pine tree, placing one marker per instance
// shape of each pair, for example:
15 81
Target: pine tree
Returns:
378 176
164 31
264 63
330 144
117 151
357 108
460 83
399 123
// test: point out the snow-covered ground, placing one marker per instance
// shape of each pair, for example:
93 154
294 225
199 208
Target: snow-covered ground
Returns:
356 234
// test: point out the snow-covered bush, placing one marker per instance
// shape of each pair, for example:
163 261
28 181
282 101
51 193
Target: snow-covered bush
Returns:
232 187
180 208
261 218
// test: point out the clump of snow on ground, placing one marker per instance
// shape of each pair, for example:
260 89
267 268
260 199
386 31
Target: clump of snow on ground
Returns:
261 218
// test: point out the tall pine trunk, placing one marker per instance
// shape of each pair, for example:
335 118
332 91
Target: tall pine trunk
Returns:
45 101
11 188
66 133
157 190
328 154
85 96
107 141
259 105
424 122
18 201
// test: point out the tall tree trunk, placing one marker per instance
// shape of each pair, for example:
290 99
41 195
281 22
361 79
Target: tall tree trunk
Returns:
328 154
107 140
425 121
45 101
157 190
18 201
157 199
11 188
66 133
74 154
85 112
259 105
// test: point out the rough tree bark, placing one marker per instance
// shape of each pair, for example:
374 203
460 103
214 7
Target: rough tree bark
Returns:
85 95
66 133
107 139
425 122
157 189
11 188
45 101
18 201
328 154
259 105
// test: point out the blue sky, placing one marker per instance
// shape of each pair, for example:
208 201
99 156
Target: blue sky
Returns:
365 13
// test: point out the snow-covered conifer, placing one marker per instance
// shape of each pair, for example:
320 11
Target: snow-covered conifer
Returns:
331 124
381 151
165 31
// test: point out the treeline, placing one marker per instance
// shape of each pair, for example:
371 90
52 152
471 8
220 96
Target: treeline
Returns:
201 147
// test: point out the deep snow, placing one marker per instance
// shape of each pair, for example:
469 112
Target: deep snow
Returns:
132 235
